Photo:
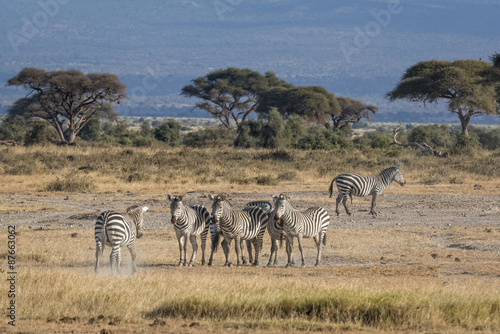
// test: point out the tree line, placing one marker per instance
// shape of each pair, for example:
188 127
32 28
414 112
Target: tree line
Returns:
260 109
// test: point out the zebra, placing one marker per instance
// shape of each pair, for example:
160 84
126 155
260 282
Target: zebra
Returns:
274 228
311 223
117 230
189 222
247 224
352 184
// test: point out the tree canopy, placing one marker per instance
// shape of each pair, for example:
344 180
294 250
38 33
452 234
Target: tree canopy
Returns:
68 99
315 103
461 83
231 94
352 111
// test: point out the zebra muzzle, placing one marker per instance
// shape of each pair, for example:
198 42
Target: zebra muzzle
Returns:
139 235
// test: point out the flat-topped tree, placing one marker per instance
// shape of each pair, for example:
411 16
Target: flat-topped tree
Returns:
462 83
314 103
352 111
231 94
69 99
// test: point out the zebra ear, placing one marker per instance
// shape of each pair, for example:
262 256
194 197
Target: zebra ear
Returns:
210 196
397 167
145 208
169 197
180 198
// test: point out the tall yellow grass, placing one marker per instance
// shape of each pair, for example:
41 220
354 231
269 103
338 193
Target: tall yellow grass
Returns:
411 291
153 170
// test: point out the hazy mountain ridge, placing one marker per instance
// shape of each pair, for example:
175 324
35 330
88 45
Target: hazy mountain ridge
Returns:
303 42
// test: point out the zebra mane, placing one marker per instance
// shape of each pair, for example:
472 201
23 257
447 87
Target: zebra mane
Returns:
391 169
135 207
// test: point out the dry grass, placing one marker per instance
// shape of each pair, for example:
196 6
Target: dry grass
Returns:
374 279
152 170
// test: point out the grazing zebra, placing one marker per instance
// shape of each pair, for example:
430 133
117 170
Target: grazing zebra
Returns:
247 224
352 184
117 230
311 223
189 222
274 228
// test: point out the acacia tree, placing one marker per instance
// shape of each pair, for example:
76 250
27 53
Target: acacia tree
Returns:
352 111
495 76
231 94
461 83
68 99
315 103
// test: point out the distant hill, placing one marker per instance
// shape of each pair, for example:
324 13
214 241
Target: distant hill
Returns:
358 49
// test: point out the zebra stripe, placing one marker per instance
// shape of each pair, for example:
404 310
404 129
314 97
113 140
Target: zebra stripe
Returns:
349 184
247 224
189 222
117 230
311 223
274 228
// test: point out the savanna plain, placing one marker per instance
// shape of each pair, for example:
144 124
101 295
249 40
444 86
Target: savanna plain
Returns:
429 262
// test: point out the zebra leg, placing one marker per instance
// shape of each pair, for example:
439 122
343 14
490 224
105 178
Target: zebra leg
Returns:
339 198
274 243
131 248
194 245
115 258
289 246
237 248
374 203
257 245
226 251
301 248
203 237
249 249
344 201
321 236
99 248
243 258
180 241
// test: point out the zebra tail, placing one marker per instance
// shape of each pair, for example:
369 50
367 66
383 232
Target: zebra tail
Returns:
331 186
324 240
281 240
215 241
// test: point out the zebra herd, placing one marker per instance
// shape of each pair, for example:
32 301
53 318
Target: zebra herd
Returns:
246 226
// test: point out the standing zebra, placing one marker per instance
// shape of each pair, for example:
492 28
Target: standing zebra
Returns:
247 224
274 228
311 223
117 230
189 222
352 184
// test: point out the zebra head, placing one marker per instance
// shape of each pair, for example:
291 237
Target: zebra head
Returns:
176 207
398 177
218 205
280 206
136 212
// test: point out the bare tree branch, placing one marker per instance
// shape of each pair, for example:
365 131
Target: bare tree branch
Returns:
423 147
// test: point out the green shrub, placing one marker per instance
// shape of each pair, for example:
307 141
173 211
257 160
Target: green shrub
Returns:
41 132
169 132
92 130
210 137
436 136
489 140
13 128
374 139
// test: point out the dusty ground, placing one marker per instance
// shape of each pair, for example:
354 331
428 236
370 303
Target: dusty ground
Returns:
439 210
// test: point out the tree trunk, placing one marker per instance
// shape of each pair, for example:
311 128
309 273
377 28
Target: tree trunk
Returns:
464 121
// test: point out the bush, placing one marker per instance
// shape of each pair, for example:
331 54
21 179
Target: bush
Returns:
13 128
169 132
436 136
41 132
71 183
92 130
210 137
374 139
489 140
